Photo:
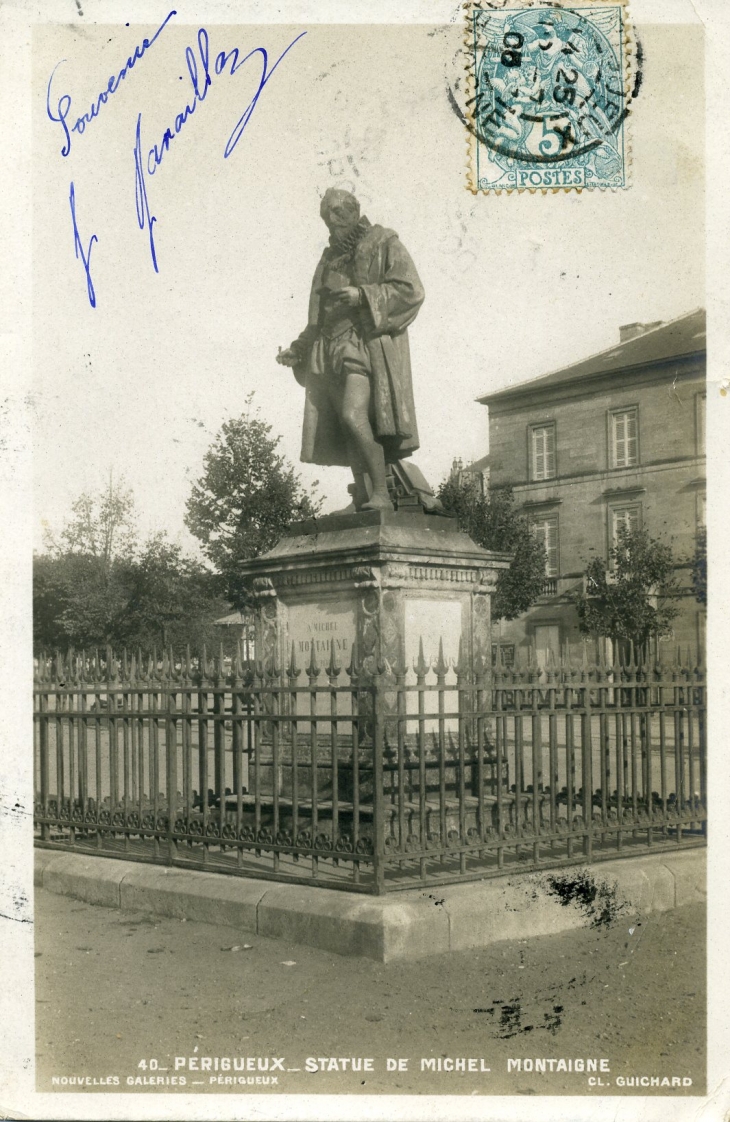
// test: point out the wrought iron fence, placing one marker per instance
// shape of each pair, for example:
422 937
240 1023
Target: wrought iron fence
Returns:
412 775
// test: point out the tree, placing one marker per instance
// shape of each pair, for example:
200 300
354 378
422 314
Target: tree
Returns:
699 568
172 600
101 526
245 499
81 582
77 604
52 581
633 599
493 522
96 586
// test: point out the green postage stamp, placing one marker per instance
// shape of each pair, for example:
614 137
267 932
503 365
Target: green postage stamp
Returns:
549 95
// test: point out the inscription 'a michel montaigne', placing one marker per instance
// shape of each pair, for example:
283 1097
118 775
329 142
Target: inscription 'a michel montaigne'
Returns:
321 636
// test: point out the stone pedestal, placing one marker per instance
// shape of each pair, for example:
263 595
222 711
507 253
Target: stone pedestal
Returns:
380 581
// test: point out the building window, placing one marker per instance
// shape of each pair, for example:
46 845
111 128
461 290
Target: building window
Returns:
546 532
624 438
628 517
542 452
700 410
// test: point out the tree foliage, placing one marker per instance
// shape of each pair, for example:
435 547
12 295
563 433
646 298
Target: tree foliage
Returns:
79 583
101 527
493 522
75 602
96 585
245 498
171 599
634 598
699 568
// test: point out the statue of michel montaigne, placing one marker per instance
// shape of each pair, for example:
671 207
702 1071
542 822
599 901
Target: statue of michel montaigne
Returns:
353 358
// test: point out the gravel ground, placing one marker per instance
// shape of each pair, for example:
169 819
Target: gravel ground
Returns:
122 995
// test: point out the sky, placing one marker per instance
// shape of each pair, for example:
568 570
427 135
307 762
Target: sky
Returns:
516 285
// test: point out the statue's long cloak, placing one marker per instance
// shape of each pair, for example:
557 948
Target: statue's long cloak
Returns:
393 293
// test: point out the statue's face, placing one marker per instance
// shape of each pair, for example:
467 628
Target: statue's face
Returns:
340 217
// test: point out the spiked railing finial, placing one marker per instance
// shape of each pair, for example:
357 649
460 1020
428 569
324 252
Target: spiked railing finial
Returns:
293 670
275 663
461 664
313 670
420 665
442 665
353 670
334 667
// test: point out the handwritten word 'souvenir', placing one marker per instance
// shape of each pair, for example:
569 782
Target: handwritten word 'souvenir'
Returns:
63 104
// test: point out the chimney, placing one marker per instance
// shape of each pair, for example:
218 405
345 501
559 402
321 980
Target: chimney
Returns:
633 330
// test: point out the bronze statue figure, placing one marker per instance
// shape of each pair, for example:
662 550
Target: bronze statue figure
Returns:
353 357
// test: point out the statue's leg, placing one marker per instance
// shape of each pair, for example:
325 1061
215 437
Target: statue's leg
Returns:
359 488
355 418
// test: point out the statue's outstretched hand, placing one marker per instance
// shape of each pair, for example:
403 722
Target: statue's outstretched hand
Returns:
287 357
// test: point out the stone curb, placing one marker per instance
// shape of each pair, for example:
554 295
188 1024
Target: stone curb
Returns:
410 924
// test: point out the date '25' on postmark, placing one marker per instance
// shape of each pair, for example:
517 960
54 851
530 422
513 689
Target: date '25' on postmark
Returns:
548 96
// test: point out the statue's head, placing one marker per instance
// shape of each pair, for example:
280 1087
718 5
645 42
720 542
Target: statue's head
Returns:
340 211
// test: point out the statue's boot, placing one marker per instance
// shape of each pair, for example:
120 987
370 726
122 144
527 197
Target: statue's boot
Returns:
358 493
379 500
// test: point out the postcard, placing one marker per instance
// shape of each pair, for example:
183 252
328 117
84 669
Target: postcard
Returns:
360 465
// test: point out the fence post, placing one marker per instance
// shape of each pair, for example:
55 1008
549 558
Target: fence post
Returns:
219 740
43 744
378 792
702 736
237 742
587 760
170 754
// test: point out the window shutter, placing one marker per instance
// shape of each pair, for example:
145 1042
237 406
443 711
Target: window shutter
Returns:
625 439
619 440
543 452
549 452
551 547
631 440
538 444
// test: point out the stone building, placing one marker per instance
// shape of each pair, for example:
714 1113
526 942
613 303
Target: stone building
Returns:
615 439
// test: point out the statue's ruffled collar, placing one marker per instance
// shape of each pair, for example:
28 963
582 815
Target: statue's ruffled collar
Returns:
342 250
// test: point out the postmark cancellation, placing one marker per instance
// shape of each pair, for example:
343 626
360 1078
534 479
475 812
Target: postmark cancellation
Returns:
549 88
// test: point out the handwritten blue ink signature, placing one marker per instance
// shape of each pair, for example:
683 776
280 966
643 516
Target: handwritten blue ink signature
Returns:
85 255
144 218
63 105
200 82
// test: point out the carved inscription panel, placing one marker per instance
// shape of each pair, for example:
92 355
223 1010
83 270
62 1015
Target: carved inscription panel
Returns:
317 627
432 620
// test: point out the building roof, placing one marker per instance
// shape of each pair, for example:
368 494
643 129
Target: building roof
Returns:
232 620
478 465
676 339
